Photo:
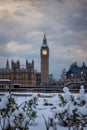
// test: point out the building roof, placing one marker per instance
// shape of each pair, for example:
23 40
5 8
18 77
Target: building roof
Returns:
4 70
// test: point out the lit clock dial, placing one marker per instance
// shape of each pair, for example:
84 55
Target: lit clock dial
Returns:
44 52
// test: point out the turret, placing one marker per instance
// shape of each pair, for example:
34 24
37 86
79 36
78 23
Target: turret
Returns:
7 64
83 65
33 63
18 64
12 64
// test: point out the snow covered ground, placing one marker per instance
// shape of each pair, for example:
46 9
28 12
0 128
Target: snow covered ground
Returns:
46 110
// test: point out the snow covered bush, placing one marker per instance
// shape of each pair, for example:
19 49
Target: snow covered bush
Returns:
72 110
7 107
30 108
50 122
19 119
81 99
14 116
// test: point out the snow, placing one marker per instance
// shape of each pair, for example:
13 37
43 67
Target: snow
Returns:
66 90
82 89
47 105
4 102
5 80
15 118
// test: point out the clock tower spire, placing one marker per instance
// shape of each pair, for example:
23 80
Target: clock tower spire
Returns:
44 40
44 53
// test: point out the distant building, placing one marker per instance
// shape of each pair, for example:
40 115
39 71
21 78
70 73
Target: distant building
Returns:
76 72
17 75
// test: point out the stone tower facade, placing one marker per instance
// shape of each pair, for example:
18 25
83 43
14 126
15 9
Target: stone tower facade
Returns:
44 53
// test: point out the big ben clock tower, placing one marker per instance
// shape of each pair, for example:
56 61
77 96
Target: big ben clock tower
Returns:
44 53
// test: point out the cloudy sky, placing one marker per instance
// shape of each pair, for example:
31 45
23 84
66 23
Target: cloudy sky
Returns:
22 26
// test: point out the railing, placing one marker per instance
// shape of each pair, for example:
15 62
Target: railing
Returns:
40 89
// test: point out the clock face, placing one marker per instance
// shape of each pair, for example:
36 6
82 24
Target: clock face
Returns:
44 52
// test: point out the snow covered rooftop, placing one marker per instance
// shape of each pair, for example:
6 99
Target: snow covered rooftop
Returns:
5 80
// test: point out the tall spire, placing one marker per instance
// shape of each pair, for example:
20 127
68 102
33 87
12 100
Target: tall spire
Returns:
44 36
7 64
44 40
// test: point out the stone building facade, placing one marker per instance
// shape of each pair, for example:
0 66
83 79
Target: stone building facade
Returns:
25 76
76 72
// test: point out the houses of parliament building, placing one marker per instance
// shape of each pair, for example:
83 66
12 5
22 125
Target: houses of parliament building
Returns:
26 76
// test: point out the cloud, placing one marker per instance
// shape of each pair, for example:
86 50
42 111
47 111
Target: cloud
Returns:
14 47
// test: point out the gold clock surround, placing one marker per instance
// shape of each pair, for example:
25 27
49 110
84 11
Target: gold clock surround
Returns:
44 52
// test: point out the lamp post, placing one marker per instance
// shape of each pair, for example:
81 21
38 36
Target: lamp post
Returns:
81 74
72 76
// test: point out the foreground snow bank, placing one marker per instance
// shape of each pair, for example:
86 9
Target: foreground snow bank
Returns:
59 108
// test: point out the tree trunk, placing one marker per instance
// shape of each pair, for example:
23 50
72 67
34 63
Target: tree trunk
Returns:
69 125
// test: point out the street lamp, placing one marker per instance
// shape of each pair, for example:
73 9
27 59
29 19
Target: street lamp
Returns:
81 72
82 75
71 75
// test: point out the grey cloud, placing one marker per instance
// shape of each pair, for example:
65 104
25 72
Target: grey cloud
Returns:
61 1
